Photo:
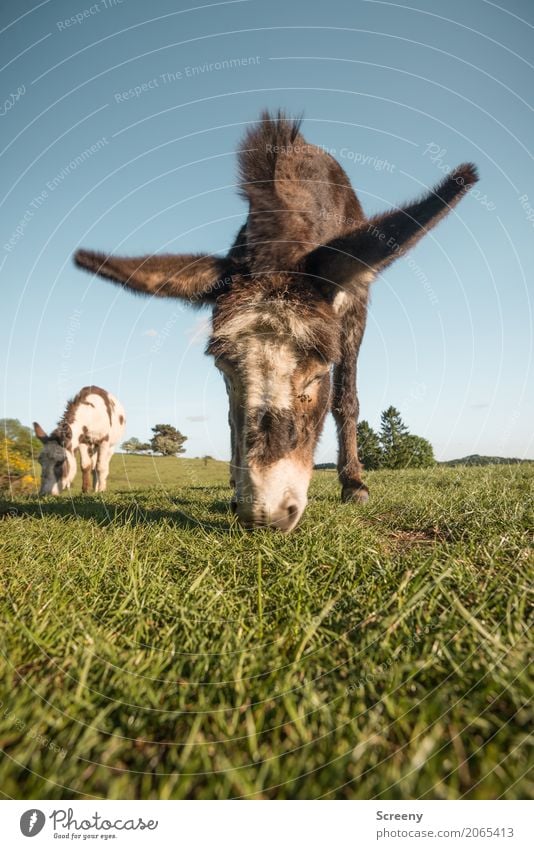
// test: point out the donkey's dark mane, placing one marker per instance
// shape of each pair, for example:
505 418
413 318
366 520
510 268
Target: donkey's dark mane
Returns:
261 147
299 197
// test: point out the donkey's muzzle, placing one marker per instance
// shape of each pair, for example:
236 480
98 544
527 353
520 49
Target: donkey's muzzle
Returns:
272 497
251 516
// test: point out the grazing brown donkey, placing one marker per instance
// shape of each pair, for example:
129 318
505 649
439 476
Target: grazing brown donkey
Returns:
92 425
289 308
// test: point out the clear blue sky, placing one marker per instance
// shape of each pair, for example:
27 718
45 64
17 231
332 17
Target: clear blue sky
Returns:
399 92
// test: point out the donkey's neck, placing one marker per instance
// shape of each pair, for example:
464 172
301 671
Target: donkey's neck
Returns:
76 430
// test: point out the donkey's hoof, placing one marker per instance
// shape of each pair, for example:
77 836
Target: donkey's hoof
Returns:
355 494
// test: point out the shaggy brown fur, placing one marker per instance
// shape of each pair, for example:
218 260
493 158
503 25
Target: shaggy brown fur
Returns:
295 284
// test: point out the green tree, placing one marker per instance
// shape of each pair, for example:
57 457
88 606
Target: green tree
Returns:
27 444
135 446
401 449
393 433
418 451
167 440
369 448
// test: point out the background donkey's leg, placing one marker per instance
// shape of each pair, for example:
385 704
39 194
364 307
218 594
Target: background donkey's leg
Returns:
94 457
85 463
104 453
345 409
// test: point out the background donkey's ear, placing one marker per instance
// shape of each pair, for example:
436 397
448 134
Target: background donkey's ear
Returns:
198 278
355 259
39 432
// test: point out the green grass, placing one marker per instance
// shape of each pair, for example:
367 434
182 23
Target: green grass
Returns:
152 649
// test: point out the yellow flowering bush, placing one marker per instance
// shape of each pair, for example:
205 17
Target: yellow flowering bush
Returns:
16 469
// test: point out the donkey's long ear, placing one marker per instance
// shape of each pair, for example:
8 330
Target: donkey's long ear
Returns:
356 258
198 278
39 432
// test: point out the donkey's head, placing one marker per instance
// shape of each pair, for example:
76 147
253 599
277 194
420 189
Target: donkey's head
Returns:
58 464
274 345
291 290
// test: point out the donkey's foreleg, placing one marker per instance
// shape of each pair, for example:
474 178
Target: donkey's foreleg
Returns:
345 409
102 466
85 463
233 447
94 459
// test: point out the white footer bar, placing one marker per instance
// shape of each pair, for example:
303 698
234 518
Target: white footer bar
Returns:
268 825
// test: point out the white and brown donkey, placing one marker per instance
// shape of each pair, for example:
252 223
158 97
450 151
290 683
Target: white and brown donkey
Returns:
289 309
92 424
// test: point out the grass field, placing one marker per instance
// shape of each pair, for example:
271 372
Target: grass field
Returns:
151 648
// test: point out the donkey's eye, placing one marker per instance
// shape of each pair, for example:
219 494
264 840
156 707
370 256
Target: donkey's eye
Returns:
315 379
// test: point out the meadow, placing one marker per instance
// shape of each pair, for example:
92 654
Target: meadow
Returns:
150 648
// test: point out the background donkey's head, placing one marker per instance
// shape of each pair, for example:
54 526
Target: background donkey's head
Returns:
58 463
294 283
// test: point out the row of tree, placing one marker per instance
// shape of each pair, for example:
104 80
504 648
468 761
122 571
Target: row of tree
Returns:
167 440
393 447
